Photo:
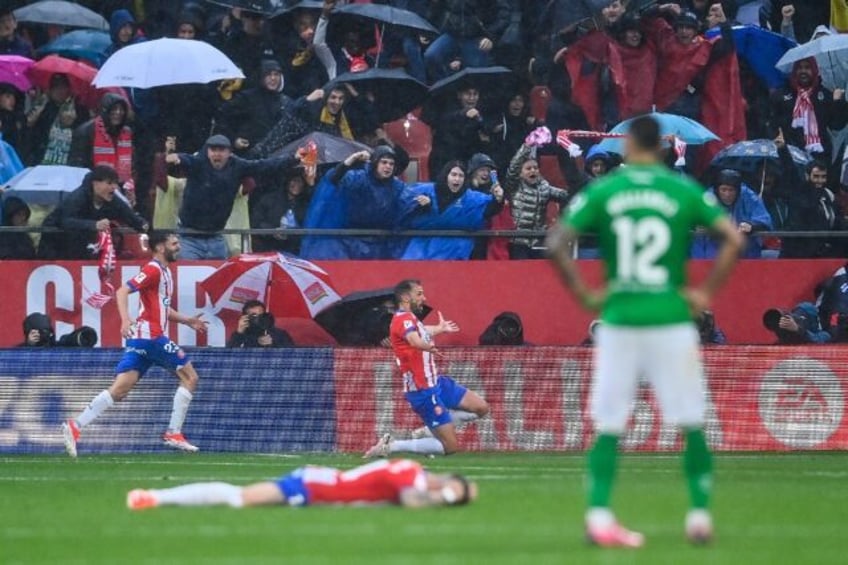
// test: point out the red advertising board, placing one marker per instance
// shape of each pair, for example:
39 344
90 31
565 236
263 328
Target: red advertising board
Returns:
759 398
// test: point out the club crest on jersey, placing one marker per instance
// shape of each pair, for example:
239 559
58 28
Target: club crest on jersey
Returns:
139 278
408 324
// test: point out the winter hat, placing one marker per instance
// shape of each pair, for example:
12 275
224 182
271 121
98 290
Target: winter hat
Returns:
478 161
219 140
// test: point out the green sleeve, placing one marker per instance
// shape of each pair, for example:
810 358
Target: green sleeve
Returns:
582 214
708 209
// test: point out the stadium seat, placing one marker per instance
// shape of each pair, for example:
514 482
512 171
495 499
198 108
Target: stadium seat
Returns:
549 167
416 138
540 97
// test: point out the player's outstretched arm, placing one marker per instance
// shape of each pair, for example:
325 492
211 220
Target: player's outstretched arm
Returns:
444 326
194 322
560 243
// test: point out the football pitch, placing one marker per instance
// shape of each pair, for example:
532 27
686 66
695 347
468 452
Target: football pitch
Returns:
768 508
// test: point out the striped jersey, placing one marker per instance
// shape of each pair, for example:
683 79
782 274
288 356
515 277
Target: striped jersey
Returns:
155 286
417 367
380 482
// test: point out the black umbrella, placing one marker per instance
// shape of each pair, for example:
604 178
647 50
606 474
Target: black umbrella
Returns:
494 84
381 14
362 317
395 92
263 7
290 7
569 12
331 149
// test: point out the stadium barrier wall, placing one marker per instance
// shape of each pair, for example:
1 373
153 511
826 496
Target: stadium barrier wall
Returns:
470 292
322 399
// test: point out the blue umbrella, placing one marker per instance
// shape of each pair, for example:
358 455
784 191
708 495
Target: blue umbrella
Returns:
761 49
87 44
747 156
681 127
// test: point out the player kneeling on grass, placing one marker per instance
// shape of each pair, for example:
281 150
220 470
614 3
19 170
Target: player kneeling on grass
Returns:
401 482
438 400
148 344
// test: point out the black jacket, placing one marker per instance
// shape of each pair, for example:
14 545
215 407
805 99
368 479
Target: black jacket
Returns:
268 207
471 18
829 113
15 245
252 114
279 338
77 215
210 193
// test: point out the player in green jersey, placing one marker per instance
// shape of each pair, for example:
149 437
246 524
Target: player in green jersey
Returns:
644 214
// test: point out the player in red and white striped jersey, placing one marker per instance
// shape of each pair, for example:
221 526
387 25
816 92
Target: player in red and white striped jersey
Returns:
437 399
148 344
400 482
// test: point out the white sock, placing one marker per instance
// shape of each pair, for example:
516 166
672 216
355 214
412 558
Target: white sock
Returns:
425 445
461 416
200 494
95 408
182 399
599 517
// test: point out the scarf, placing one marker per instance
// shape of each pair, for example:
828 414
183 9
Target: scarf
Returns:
116 153
106 266
358 63
340 122
804 116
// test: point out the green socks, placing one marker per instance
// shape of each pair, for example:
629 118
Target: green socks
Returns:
698 466
602 461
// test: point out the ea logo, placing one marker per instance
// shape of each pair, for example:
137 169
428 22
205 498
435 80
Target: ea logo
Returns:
801 402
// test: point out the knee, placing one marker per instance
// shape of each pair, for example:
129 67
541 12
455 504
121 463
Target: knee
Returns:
450 447
118 393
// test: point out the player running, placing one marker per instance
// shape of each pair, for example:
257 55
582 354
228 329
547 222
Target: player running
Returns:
644 214
437 399
401 482
148 344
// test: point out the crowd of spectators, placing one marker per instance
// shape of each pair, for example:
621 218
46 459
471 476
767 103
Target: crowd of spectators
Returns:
227 138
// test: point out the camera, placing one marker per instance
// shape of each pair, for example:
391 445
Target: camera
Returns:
84 336
804 315
505 329
260 322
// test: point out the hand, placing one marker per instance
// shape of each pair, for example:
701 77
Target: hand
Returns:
423 39
358 157
472 114
241 143
698 300
838 93
745 227
671 7
446 326
265 340
423 200
316 94
103 225
243 323
787 12
170 144
788 323
498 192
196 323
498 128
126 329
486 45
172 159
779 141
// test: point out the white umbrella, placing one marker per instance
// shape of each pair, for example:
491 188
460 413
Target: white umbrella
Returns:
830 53
45 184
166 61
62 13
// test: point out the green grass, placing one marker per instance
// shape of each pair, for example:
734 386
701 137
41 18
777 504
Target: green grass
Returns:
773 508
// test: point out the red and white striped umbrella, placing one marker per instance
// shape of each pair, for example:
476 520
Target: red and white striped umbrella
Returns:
288 286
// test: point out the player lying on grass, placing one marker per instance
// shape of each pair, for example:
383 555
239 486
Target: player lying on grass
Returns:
399 481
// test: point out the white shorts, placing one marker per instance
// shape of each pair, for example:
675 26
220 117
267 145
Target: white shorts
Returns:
667 357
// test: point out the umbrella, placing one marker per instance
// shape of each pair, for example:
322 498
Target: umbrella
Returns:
761 49
331 149
61 13
290 7
683 128
830 53
10 163
380 14
569 12
45 184
13 71
87 44
79 75
362 317
263 7
395 92
287 285
747 156
166 61
490 81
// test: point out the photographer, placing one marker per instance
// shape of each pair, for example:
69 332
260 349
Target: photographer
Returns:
38 332
256 329
801 325
505 329
708 331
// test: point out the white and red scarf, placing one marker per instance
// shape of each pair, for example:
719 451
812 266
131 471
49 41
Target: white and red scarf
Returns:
107 262
804 117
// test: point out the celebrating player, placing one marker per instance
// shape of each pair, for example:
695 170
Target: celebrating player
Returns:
644 214
147 344
401 481
437 399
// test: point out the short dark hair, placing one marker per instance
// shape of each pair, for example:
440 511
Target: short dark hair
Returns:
465 498
252 304
403 287
104 172
816 164
158 236
645 133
